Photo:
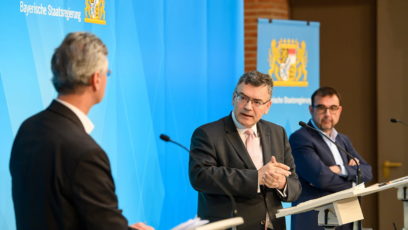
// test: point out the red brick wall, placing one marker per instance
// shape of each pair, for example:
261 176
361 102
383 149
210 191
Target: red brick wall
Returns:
254 9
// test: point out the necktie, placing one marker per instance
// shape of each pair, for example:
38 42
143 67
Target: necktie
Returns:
254 148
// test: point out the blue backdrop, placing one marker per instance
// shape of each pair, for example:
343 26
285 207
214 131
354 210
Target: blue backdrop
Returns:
289 52
174 63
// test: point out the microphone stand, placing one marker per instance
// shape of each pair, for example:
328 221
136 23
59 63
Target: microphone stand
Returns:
358 177
166 138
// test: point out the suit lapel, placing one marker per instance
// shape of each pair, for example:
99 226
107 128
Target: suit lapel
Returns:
235 141
266 142
326 150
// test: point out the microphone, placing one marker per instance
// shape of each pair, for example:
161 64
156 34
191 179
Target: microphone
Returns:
166 138
304 125
393 120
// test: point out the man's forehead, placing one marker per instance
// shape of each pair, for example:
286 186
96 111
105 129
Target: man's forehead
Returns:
244 85
329 98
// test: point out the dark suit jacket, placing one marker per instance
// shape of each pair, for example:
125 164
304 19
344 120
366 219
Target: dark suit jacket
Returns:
313 158
61 178
217 151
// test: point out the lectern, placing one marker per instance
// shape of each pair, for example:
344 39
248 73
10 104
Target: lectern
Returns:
222 224
343 207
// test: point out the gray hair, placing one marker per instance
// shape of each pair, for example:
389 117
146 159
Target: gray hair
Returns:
79 56
256 78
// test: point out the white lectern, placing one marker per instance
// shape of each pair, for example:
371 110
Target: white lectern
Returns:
222 224
343 207
198 224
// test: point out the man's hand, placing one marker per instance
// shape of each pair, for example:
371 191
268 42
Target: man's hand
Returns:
353 163
335 168
273 174
141 226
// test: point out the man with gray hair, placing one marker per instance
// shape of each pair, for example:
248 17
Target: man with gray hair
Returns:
61 178
251 157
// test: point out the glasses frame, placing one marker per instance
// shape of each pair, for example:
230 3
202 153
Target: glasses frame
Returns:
323 109
241 97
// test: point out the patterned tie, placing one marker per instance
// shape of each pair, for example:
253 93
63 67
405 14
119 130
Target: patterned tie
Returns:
254 148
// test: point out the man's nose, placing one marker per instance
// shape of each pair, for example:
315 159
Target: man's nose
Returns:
248 105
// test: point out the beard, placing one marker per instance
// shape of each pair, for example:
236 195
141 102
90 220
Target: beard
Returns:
326 124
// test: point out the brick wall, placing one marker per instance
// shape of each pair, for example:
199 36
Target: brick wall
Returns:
254 9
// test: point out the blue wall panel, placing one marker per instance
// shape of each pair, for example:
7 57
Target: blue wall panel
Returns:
174 67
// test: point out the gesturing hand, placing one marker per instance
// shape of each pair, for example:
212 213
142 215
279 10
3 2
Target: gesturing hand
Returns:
273 174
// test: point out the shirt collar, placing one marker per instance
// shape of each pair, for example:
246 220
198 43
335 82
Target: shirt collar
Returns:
86 122
241 128
333 135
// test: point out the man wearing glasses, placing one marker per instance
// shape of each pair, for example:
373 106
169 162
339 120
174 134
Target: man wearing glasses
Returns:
322 167
249 156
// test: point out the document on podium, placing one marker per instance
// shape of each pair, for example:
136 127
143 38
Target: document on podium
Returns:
191 224
198 224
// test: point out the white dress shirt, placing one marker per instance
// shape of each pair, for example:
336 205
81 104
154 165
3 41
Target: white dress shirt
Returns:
333 149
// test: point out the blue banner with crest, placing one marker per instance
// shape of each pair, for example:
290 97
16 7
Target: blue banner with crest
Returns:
289 52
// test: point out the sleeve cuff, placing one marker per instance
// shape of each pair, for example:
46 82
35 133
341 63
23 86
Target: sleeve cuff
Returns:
283 192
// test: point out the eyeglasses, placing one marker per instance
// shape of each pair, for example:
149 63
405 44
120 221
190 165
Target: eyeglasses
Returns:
323 108
242 98
109 73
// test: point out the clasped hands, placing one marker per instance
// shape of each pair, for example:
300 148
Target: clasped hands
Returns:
273 174
336 169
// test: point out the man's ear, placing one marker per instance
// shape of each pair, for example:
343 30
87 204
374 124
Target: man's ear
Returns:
340 110
95 81
234 95
268 107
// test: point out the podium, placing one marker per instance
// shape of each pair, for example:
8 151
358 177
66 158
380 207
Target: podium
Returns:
199 224
343 207
222 224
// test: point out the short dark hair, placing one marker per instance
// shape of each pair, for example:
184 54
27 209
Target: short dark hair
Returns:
256 78
79 56
325 91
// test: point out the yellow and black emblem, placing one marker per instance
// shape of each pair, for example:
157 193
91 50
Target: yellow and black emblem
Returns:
288 63
95 11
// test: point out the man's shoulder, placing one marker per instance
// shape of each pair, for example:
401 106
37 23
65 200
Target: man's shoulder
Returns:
270 125
343 137
301 133
52 127
214 126
36 120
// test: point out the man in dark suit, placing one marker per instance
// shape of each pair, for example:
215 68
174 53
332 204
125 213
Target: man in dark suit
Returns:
61 178
322 167
249 156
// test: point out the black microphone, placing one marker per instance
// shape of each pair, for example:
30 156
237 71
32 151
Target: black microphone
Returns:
393 120
166 138
304 125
